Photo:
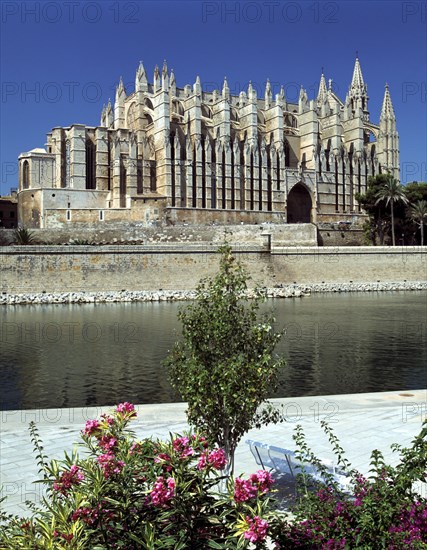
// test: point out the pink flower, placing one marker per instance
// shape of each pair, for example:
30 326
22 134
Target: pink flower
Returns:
87 515
126 409
164 458
263 480
182 446
107 442
72 477
92 427
257 529
109 464
215 458
163 491
106 421
201 465
244 490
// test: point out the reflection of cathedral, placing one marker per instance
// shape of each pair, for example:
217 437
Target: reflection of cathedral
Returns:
182 154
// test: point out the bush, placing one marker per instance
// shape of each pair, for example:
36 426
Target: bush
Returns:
151 494
383 511
141 494
22 236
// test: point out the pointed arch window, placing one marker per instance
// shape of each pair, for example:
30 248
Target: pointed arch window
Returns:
26 174
67 168
287 151
90 164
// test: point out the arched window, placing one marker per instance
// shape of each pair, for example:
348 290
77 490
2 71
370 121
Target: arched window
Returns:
90 164
26 174
67 168
287 151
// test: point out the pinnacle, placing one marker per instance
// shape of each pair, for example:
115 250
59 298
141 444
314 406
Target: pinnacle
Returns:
357 80
387 107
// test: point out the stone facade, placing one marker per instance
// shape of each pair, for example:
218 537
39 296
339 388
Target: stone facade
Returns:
183 155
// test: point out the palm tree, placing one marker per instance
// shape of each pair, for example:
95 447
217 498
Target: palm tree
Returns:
392 192
418 212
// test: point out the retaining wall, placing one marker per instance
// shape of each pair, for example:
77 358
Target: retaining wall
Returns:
180 266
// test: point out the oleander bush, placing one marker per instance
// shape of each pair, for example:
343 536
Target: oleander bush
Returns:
384 511
129 494
124 493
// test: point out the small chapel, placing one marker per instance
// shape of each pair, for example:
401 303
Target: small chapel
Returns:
166 154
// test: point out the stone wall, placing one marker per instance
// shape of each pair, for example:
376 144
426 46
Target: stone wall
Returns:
341 237
50 269
112 233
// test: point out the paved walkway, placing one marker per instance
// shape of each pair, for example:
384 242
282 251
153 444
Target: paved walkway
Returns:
362 422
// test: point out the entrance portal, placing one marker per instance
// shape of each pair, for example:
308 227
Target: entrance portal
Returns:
299 205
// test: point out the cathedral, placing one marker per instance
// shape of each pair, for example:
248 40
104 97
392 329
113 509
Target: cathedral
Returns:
174 155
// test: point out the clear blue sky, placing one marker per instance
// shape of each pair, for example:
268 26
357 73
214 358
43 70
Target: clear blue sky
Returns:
60 61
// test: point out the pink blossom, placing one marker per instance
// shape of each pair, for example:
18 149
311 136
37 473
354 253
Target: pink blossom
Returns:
245 489
182 446
163 491
217 459
92 427
164 458
107 442
126 409
262 479
257 529
109 464
201 465
107 421
214 458
72 477
87 515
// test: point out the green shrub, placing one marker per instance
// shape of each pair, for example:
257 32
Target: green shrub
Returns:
22 236
141 494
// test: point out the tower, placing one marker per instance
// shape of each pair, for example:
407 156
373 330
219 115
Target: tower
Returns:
358 92
388 138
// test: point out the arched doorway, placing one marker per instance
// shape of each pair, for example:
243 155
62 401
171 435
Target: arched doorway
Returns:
299 205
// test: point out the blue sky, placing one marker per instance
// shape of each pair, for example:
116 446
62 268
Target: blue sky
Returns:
60 61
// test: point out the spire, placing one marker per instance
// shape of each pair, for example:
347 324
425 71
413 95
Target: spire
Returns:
323 91
120 89
358 92
103 114
251 93
172 79
197 86
156 79
387 110
109 114
140 78
225 89
303 101
280 97
165 76
357 80
268 94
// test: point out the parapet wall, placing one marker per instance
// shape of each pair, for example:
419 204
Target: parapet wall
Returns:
37 269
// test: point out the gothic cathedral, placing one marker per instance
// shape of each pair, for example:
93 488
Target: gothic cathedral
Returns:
175 155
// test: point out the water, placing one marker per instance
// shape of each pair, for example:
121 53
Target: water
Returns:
83 355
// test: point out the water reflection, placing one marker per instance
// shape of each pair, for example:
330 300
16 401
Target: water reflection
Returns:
82 355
